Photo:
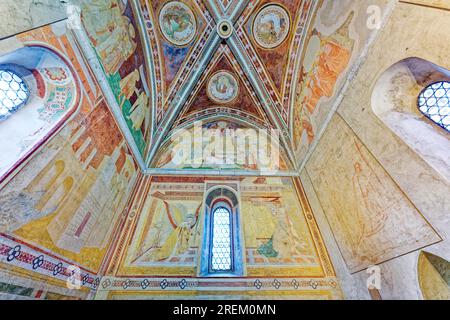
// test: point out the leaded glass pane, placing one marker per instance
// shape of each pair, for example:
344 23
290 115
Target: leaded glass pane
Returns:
13 93
434 103
221 240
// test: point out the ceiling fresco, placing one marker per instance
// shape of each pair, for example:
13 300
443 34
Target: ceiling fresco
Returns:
224 89
112 29
272 33
177 33
231 58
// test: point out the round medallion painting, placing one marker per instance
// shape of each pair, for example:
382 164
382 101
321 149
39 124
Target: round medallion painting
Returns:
223 87
177 22
271 26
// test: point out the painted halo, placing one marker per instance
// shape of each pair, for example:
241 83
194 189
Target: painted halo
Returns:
177 23
223 87
271 26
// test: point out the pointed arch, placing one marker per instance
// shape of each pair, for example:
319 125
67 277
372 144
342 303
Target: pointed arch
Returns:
434 276
165 157
222 244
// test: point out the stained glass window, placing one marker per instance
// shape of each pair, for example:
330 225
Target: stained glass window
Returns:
13 93
434 103
221 240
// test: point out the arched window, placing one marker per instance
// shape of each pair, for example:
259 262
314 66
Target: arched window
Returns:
411 99
434 103
14 92
221 253
221 244
38 95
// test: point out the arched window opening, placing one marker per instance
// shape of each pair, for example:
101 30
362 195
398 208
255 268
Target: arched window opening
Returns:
38 95
221 244
221 253
14 92
411 98
434 103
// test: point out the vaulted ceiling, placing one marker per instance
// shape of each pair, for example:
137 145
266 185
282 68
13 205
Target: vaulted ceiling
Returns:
231 59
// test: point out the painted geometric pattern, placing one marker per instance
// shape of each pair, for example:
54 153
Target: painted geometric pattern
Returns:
281 87
173 65
230 285
19 254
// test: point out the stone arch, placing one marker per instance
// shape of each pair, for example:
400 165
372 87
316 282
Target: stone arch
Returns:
395 102
54 98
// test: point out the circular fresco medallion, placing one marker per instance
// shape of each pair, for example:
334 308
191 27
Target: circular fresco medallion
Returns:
177 23
271 26
223 87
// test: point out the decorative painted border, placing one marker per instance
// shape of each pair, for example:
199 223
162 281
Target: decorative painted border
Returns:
18 254
169 284
221 52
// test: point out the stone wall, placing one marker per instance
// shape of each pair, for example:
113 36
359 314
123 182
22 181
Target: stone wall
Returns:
377 197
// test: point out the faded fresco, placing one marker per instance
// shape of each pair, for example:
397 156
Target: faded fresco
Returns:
220 145
61 209
177 23
332 48
434 276
271 26
276 232
371 218
284 255
272 34
326 58
55 100
223 87
172 235
168 229
114 33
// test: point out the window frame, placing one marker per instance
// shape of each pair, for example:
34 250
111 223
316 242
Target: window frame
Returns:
20 73
421 95
217 204
27 70
221 196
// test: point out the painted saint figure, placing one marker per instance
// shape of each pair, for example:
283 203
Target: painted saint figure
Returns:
286 240
174 240
372 210
128 86
111 32
223 87
138 111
